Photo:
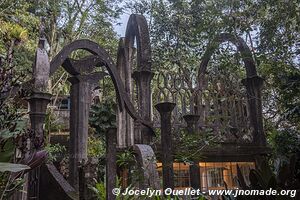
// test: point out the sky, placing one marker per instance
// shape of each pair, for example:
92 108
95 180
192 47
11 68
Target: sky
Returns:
120 29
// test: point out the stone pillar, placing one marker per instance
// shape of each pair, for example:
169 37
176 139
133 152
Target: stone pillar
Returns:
38 105
111 162
80 96
165 111
143 80
253 86
192 123
124 120
80 105
38 102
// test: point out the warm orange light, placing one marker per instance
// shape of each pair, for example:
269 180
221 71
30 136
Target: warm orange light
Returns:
212 174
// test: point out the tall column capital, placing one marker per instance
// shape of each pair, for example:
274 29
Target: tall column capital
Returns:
165 107
38 103
192 121
90 78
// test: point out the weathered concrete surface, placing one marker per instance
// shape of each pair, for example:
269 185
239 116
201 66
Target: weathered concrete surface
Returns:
147 164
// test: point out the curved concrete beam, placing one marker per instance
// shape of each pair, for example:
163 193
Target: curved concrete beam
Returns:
105 59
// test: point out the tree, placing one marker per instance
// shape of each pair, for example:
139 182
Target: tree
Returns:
22 23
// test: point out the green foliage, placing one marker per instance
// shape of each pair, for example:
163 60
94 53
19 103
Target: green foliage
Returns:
7 150
99 190
12 125
95 147
284 143
54 151
103 117
8 188
181 30
52 124
17 126
11 31
19 30
11 122
283 93
126 159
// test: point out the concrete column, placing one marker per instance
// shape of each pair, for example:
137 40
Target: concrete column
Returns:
38 105
111 162
38 102
165 111
192 123
253 86
80 96
143 81
124 120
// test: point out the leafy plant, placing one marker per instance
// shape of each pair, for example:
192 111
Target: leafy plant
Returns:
126 159
12 126
103 117
284 143
7 185
286 177
95 147
12 167
14 181
54 151
99 190
13 31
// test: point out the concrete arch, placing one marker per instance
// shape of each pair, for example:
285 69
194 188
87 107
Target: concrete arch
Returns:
137 28
242 48
95 49
252 82
137 33
106 60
